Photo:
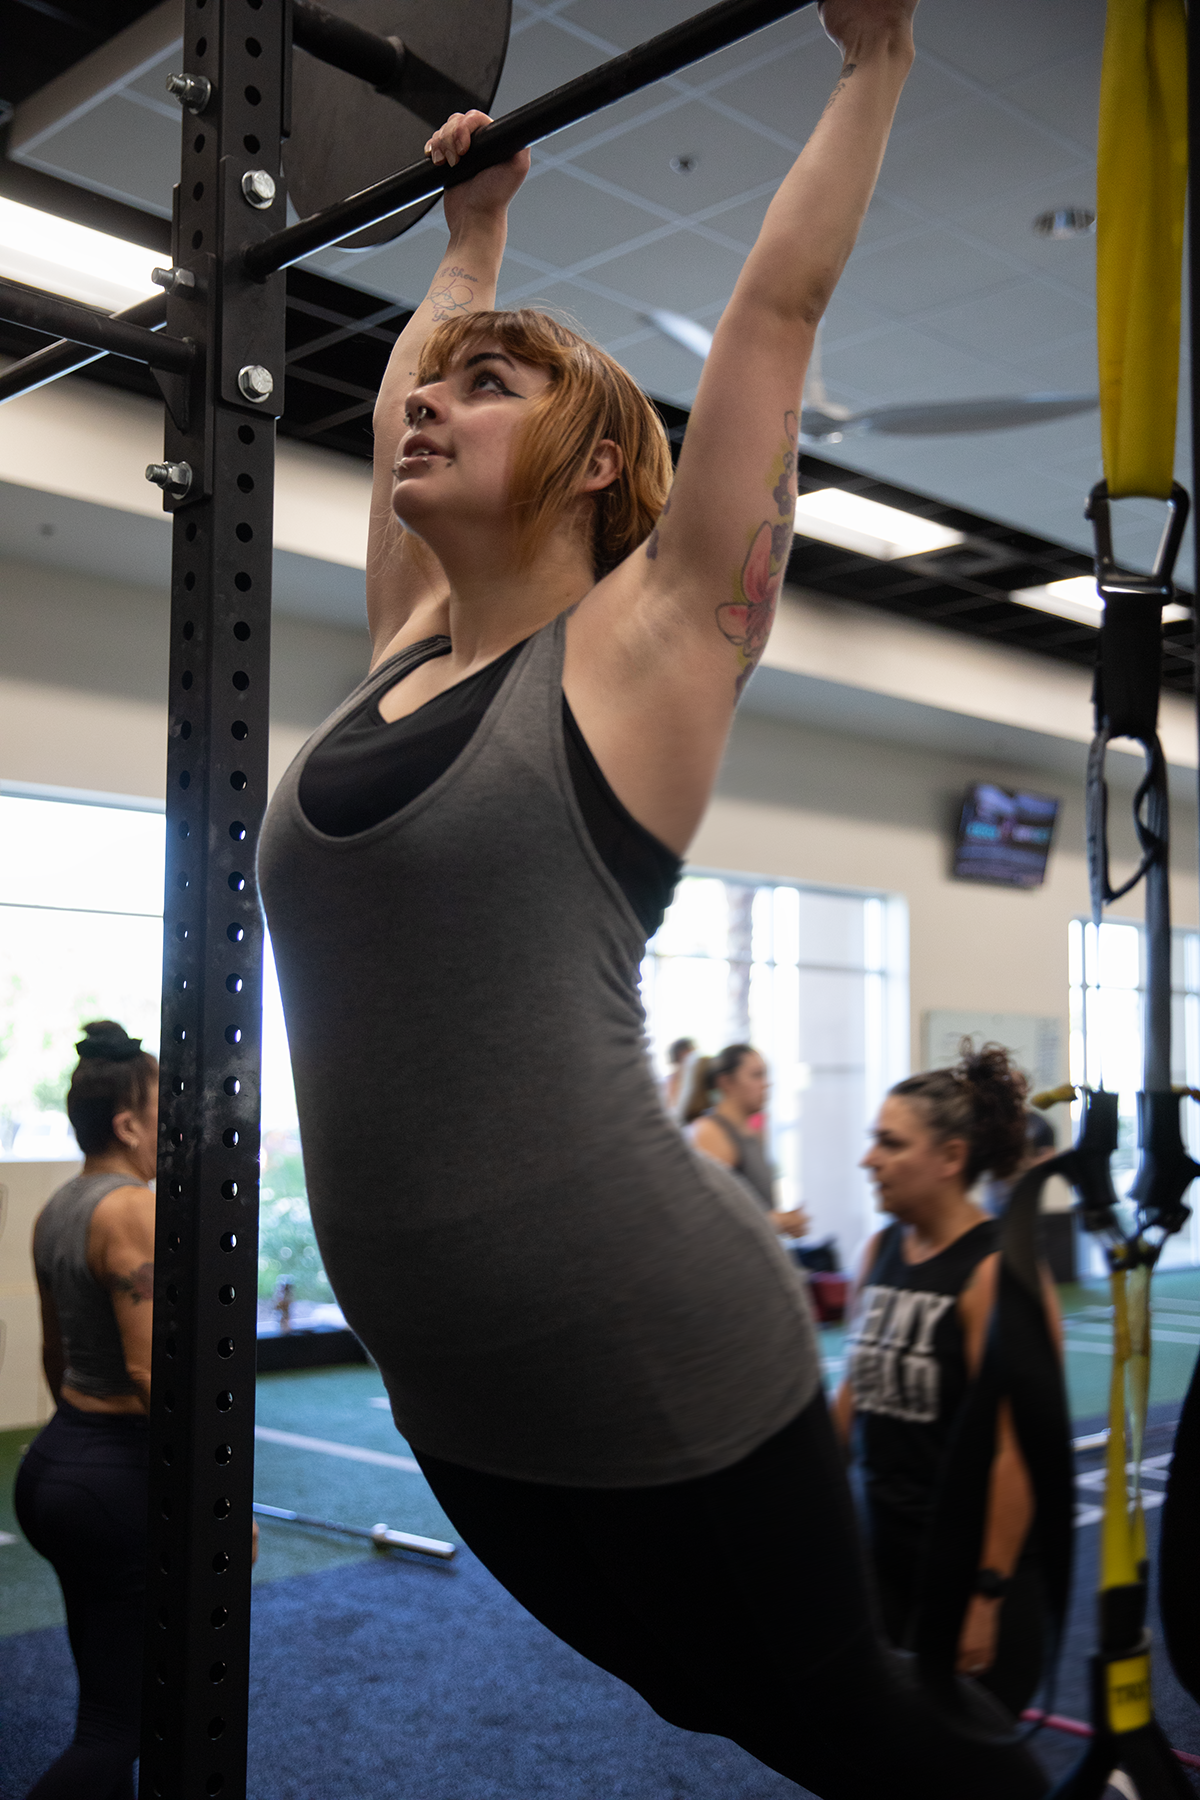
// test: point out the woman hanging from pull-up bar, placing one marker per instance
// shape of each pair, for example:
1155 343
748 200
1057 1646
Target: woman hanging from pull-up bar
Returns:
591 1338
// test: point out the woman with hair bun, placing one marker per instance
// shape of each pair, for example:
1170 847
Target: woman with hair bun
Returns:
923 1304
81 1490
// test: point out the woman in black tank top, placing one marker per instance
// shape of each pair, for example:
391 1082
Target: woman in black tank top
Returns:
924 1302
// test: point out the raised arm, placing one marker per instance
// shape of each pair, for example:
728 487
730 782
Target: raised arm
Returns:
405 584
676 631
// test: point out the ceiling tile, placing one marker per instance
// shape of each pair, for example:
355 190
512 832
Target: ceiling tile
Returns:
729 159
679 272
919 271
930 88
887 219
1014 322
597 316
615 118
540 59
790 93
1007 225
625 23
1069 365
153 81
561 220
402 270
904 364
997 42
962 159
850 315
122 149
1066 96
760 48
664 369
743 221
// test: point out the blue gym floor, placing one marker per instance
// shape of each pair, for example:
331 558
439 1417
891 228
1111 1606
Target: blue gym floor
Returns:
380 1677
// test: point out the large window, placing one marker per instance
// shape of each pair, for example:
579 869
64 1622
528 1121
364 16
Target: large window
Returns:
1108 986
815 980
81 891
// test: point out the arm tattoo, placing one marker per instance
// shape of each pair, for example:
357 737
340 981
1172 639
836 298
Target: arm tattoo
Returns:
746 620
138 1284
454 294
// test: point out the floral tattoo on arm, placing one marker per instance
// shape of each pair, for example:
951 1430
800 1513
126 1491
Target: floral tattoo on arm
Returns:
454 293
746 620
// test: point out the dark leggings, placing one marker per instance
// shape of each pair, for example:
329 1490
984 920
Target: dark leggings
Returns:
81 1502
737 1604
898 1550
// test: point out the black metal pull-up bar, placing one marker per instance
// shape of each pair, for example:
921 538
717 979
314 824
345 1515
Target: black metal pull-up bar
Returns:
114 333
344 45
67 355
666 54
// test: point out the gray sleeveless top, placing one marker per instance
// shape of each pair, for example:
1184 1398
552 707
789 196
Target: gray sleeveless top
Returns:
554 1285
751 1164
92 1346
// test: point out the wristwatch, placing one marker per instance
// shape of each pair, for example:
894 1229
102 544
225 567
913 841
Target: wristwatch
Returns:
992 1584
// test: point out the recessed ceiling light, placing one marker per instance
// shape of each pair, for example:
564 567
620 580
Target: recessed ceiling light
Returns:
1066 222
73 260
836 517
1078 598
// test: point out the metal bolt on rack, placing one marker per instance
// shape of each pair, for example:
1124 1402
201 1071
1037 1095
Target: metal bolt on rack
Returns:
193 92
258 187
255 382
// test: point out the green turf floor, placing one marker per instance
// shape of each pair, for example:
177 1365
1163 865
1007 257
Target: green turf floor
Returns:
339 1407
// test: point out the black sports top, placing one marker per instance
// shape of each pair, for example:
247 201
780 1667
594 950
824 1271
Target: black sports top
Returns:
907 1366
369 767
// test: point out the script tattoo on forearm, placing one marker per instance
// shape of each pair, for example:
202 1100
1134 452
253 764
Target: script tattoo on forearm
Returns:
454 293
138 1284
746 620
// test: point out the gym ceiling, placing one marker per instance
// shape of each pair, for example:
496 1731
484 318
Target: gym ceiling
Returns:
951 293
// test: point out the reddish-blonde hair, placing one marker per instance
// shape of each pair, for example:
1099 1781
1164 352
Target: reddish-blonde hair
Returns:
590 397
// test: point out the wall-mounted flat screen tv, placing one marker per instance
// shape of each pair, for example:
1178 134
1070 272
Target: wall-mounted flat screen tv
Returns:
1004 837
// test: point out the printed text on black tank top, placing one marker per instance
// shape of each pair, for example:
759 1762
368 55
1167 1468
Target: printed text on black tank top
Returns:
893 1366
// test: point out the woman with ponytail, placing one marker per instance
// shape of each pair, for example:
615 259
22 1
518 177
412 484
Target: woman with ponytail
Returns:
924 1302
81 1490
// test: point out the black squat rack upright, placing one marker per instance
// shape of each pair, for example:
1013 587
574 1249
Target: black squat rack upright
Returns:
219 364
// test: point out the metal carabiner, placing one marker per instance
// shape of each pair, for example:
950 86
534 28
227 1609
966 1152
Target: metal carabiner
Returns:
1159 583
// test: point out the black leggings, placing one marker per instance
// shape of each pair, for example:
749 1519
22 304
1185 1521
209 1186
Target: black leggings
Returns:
898 1551
737 1604
81 1502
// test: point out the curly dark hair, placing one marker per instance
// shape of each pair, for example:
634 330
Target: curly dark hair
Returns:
981 1100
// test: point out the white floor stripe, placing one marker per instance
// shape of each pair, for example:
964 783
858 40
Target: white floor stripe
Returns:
351 1452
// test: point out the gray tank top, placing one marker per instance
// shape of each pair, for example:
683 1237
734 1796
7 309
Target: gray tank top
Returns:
751 1164
555 1286
95 1357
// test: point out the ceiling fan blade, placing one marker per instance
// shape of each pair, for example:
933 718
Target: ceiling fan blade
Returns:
945 416
681 330
819 426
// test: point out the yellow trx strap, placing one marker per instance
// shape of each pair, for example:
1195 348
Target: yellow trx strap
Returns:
1127 1701
1123 1538
1141 191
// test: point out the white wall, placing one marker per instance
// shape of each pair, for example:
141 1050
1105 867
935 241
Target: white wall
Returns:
24 1190
814 806
83 678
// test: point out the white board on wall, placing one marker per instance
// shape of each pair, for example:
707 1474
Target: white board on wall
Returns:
1035 1043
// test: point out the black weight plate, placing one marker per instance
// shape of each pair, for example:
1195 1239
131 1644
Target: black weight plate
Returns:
345 136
